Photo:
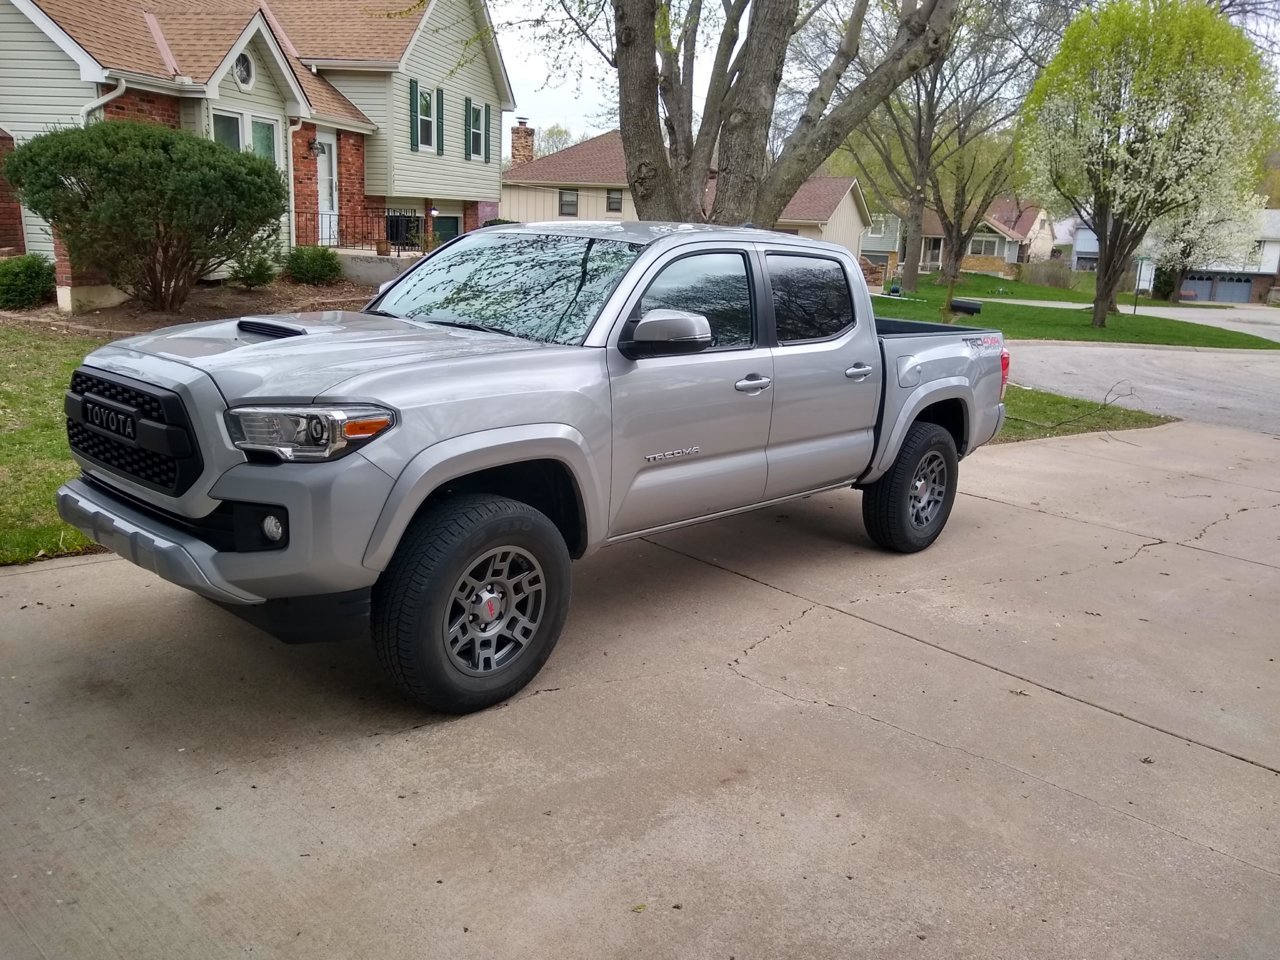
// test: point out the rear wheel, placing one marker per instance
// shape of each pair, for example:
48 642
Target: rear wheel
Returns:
472 603
907 508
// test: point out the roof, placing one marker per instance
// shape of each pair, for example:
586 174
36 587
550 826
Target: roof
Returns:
1006 212
597 162
601 162
1270 225
167 39
931 226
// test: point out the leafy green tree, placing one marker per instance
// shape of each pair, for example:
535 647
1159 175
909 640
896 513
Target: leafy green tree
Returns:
1148 106
155 209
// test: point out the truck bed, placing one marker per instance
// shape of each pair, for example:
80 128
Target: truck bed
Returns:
888 327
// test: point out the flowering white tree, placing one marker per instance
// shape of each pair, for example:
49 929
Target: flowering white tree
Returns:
1149 106
1220 228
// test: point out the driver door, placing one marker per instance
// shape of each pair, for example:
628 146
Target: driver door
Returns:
690 431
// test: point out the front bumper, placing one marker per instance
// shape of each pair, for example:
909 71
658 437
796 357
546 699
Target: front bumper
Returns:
332 509
170 554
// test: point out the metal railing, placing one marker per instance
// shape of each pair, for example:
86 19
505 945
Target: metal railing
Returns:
397 231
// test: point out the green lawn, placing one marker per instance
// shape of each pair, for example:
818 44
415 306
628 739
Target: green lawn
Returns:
33 443
1034 415
1055 323
984 286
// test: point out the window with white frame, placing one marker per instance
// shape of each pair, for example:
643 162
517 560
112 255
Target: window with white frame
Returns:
245 71
243 132
568 203
987 246
426 118
613 201
877 226
477 131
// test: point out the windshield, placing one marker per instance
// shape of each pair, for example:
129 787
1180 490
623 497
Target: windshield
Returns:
547 287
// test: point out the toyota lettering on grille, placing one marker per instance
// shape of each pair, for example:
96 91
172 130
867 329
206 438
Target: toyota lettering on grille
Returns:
111 421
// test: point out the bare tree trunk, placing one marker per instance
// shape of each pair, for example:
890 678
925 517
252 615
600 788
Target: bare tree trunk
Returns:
648 168
912 238
1179 278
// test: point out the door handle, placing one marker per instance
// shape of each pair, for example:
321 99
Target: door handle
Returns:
859 371
753 383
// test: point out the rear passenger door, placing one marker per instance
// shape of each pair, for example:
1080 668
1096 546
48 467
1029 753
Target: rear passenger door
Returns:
827 375
690 431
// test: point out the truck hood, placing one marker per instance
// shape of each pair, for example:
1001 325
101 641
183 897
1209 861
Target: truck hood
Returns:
298 356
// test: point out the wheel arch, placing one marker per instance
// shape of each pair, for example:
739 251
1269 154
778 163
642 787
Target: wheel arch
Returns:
548 466
948 403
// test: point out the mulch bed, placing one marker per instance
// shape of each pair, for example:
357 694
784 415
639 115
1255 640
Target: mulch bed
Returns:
213 302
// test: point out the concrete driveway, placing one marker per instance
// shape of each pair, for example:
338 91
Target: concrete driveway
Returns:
1052 735
1238 388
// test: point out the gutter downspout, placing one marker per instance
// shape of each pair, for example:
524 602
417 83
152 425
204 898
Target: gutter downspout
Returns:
102 101
293 128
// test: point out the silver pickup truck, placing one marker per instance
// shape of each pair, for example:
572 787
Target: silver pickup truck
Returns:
425 469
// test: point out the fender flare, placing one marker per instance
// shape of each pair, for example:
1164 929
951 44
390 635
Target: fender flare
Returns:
925 395
471 452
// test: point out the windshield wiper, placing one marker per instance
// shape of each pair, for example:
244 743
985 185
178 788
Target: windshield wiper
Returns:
467 325
375 312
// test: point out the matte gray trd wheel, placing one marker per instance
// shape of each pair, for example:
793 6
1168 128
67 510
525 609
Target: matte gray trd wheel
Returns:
907 508
472 602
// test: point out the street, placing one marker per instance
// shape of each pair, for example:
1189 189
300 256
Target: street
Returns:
1051 735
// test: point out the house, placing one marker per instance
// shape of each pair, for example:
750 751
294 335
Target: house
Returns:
1010 233
588 181
385 118
1250 280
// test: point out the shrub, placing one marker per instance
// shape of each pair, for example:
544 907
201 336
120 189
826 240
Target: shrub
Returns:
1164 283
26 281
496 221
316 265
154 209
1049 273
257 264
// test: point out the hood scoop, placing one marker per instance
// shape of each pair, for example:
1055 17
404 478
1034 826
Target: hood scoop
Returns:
271 328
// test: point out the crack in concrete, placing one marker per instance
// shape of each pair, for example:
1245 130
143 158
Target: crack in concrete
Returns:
776 633
1134 555
1223 519
982 663
1001 763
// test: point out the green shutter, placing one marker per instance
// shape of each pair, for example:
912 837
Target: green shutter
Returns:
413 115
486 133
439 121
466 129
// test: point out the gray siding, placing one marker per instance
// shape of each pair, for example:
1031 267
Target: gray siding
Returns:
447 54
40 89
886 244
265 99
371 92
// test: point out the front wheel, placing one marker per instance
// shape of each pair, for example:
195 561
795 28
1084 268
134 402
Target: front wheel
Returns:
906 509
472 603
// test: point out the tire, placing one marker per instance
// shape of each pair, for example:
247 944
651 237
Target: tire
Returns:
495 569
890 512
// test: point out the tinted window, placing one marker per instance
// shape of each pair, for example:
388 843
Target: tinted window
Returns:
540 286
811 298
715 285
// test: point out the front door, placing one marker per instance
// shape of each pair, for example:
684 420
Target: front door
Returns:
444 229
689 432
827 373
931 256
327 187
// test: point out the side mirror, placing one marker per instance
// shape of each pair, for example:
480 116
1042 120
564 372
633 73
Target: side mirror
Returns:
665 333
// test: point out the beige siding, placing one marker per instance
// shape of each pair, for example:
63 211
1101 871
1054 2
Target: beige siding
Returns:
371 92
845 226
193 117
40 88
265 98
447 54
533 203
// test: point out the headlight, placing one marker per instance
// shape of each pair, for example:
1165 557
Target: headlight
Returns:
308 433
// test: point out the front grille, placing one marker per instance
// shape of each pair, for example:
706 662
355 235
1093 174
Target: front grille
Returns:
157 450
153 469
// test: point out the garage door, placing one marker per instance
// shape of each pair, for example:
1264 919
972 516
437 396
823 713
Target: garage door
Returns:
1198 287
1233 289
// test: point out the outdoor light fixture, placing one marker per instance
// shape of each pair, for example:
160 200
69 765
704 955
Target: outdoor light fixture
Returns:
435 211
315 147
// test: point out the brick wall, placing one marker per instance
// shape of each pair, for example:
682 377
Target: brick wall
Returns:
10 212
430 239
361 219
142 105
521 142
470 215
306 193
1261 287
68 275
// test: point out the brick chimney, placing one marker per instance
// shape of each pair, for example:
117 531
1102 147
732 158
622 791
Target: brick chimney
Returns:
521 142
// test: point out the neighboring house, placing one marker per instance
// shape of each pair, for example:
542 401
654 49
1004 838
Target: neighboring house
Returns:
1009 234
377 112
1248 281
588 181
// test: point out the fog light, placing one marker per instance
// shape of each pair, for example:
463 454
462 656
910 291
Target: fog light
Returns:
272 528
